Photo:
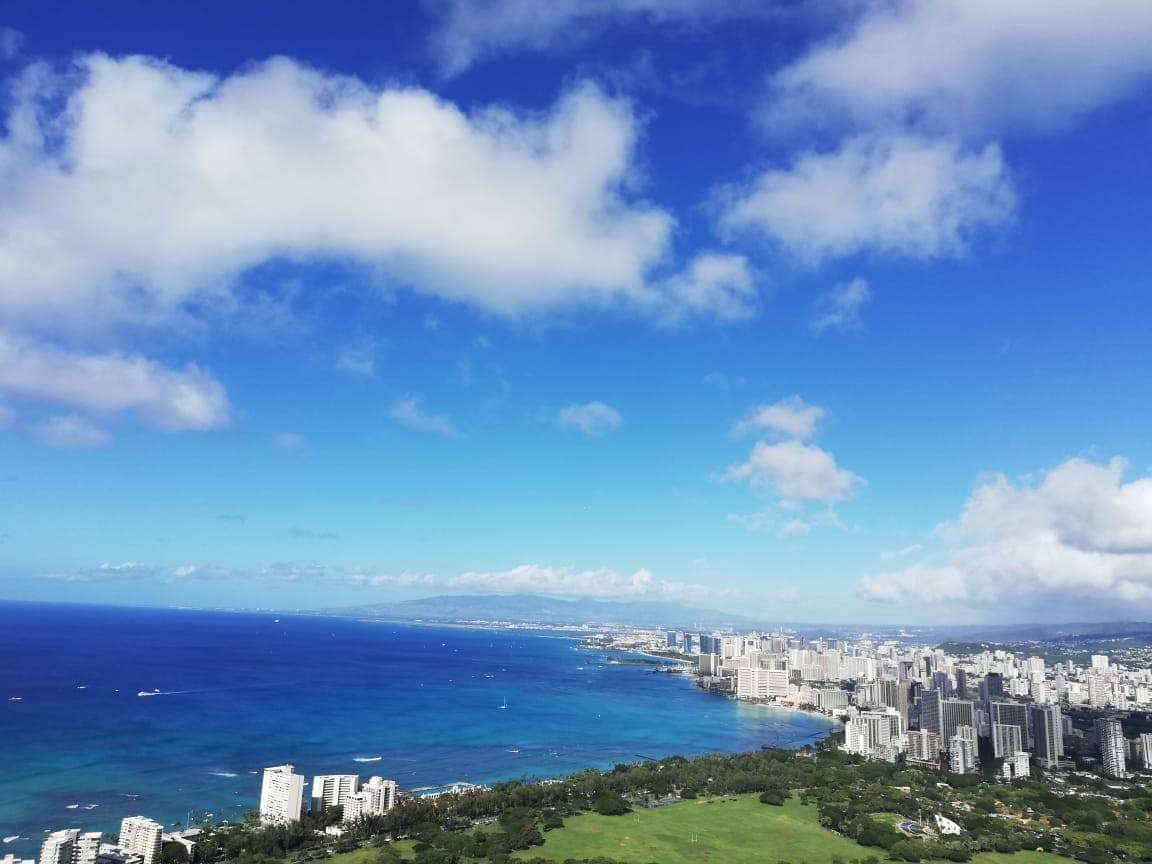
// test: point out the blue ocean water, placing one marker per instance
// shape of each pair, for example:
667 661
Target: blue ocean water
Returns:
241 691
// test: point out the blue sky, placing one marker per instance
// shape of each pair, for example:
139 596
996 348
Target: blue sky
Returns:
830 312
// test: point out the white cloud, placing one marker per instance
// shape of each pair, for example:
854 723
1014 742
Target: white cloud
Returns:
568 581
151 189
904 552
782 519
916 92
410 412
792 417
70 432
1079 538
971 66
111 383
358 357
720 287
475 29
795 470
839 309
290 442
11 43
897 194
591 418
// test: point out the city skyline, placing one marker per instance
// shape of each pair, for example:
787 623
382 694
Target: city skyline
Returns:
689 302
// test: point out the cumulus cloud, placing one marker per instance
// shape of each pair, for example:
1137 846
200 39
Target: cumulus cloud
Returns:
107 572
715 286
795 470
792 417
135 187
1077 538
591 418
472 30
898 194
70 432
410 412
602 583
970 66
110 383
839 309
916 92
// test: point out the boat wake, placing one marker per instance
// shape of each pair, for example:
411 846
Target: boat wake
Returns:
223 774
367 758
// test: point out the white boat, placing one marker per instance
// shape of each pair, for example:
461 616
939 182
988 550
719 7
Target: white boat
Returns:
148 693
503 706
514 750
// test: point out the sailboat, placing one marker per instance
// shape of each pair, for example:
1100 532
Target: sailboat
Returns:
503 706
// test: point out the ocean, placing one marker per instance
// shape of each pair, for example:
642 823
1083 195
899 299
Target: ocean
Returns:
239 691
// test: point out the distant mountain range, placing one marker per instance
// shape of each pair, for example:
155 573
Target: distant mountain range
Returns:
538 609
543 610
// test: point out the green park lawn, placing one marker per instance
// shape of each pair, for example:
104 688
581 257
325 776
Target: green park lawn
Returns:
731 830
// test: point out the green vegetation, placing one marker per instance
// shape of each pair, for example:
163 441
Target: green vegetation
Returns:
808 807
732 830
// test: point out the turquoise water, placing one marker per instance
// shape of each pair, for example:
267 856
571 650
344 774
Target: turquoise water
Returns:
241 691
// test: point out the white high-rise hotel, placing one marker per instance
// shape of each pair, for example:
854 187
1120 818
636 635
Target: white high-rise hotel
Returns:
375 798
70 846
281 795
143 836
332 790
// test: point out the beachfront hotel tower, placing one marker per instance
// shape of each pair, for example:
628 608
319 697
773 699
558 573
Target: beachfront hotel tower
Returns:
375 798
333 790
59 846
143 836
281 795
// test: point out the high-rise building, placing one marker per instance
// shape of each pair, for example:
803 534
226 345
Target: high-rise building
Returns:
1099 691
992 687
924 748
1047 736
1113 756
1016 766
942 684
955 713
375 798
332 790
1100 662
931 719
962 751
87 848
961 684
1146 749
143 836
1010 714
873 733
281 795
1007 740
59 846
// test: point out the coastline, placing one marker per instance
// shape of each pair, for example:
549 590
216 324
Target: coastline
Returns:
439 676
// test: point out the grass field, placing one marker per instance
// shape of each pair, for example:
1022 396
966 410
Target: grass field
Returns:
735 830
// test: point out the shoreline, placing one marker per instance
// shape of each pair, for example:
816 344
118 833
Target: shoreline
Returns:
226 803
